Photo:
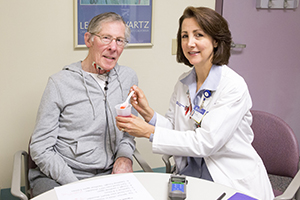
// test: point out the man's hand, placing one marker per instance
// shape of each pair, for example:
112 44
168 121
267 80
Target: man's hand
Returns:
122 165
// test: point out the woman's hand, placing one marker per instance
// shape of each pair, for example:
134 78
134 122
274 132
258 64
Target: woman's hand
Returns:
135 126
140 103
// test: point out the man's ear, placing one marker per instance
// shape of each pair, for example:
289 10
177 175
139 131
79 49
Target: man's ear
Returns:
88 39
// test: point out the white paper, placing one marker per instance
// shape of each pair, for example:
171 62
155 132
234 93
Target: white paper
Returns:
120 187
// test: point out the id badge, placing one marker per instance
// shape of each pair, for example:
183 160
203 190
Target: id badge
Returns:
198 114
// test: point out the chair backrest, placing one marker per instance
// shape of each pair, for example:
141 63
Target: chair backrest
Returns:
276 143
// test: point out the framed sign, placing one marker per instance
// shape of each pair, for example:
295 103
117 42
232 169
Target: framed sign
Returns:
136 13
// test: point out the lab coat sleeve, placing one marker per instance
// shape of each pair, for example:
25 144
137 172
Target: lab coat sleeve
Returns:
45 136
228 113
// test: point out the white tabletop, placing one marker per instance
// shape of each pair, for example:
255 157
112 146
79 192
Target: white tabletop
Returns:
157 185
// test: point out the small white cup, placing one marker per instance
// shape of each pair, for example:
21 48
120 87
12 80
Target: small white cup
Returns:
126 112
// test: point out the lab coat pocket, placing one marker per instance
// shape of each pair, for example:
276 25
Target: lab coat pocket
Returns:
254 184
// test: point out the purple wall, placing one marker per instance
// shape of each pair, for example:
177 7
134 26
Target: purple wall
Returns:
270 63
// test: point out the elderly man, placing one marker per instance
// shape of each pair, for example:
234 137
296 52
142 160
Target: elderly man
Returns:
75 135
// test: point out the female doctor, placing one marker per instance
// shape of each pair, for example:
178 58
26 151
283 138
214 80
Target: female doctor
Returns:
207 126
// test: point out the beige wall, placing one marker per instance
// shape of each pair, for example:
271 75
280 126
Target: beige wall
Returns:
36 40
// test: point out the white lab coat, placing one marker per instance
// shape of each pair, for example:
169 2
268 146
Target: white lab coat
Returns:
223 140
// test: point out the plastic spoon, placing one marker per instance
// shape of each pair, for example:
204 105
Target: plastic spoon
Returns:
126 103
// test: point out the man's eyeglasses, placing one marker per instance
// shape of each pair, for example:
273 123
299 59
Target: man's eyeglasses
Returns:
107 39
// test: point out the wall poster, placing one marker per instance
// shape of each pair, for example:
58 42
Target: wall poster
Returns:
136 13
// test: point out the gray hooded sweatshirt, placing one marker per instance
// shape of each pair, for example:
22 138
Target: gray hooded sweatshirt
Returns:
76 135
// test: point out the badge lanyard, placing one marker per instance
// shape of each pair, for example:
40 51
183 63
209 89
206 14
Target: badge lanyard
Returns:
198 111
189 107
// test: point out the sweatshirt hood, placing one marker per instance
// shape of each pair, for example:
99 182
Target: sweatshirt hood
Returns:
76 68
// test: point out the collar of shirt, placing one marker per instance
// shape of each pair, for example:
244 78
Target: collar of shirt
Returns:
211 83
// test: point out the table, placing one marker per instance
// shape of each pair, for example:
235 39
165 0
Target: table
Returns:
157 185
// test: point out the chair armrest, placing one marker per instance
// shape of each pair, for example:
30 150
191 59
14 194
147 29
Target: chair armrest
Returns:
17 175
166 159
291 190
144 165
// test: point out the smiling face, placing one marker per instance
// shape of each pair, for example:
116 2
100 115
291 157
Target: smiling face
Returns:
197 46
106 55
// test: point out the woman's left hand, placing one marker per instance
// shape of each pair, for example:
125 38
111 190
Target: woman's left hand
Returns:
135 126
